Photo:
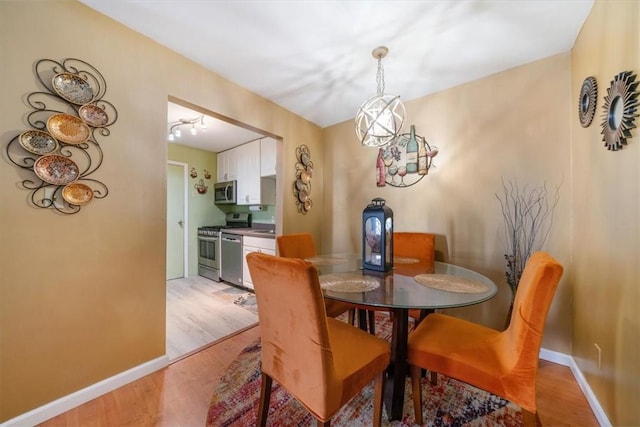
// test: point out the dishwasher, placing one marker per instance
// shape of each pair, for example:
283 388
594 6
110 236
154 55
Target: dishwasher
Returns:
231 268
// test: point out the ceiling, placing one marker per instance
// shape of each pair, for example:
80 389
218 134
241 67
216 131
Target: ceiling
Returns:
314 57
218 136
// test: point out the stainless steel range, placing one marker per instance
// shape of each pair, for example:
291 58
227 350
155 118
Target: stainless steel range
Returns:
211 263
209 251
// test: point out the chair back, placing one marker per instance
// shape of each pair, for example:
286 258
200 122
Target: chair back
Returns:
420 246
293 326
537 286
414 245
298 245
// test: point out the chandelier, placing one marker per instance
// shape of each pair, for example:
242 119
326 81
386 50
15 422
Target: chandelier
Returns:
197 123
380 118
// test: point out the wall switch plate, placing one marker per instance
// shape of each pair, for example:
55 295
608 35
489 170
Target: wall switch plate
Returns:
598 355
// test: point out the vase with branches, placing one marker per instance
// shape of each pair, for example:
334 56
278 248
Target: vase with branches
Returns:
528 217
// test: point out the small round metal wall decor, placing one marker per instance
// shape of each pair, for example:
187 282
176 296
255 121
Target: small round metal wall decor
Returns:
619 110
587 101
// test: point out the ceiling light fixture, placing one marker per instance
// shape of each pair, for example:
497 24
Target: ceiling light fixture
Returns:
380 118
174 127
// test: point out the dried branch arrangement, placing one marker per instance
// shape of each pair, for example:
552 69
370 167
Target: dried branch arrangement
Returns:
528 217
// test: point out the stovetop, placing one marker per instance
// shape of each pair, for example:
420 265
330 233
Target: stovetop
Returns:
233 220
210 230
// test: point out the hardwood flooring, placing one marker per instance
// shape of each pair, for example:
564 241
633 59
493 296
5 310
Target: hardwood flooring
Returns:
179 395
201 311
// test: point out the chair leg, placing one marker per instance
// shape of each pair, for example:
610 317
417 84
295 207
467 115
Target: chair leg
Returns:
416 387
378 394
530 419
265 396
352 316
372 321
434 378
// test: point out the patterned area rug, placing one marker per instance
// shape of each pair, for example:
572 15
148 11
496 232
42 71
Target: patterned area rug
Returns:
449 403
248 302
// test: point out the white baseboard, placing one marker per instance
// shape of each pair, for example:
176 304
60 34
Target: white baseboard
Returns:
57 407
566 360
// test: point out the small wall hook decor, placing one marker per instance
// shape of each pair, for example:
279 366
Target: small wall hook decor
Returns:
200 187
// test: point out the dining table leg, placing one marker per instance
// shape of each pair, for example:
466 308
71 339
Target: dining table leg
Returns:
397 371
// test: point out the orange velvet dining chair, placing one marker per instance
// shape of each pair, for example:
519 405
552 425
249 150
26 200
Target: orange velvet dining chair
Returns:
414 246
301 245
322 362
503 363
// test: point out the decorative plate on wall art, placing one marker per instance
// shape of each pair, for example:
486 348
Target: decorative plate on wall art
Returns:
587 101
77 193
73 88
68 128
55 169
619 110
38 142
93 115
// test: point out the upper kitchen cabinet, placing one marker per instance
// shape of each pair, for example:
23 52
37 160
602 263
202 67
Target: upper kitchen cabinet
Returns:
249 176
227 165
268 157
253 167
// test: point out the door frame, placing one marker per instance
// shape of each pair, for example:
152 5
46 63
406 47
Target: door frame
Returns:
185 214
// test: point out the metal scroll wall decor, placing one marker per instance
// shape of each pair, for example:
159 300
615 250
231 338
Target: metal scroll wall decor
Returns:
302 184
587 101
405 161
619 110
60 151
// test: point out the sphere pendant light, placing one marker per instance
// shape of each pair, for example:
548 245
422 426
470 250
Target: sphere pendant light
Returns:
380 118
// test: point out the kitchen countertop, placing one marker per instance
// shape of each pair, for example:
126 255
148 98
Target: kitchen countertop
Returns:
254 232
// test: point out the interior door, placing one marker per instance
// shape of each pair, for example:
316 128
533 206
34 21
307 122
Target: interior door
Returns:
176 225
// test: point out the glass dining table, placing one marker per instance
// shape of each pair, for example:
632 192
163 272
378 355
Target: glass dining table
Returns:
410 285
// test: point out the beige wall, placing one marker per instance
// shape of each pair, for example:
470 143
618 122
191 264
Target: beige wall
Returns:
82 297
606 220
513 125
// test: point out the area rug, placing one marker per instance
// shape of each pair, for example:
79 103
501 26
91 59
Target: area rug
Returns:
448 403
248 302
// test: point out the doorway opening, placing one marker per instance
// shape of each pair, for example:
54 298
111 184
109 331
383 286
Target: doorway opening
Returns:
201 311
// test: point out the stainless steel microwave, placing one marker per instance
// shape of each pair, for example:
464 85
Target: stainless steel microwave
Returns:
225 193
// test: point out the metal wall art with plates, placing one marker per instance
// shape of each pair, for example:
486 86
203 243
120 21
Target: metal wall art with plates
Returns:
60 152
394 161
619 110
302 184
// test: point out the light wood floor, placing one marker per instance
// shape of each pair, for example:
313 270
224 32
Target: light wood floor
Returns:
179 395
201 311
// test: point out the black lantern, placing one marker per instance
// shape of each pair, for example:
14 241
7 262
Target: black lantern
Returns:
377 236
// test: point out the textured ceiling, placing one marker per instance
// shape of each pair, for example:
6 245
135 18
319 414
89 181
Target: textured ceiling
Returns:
314 57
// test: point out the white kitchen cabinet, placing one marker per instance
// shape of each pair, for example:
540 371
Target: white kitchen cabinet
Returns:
228 165
248 192
254 244
253 167
267 157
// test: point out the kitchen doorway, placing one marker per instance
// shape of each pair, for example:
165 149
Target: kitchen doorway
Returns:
201 311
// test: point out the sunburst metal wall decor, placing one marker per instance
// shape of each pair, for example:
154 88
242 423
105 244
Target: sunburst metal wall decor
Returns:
619 110
587 101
